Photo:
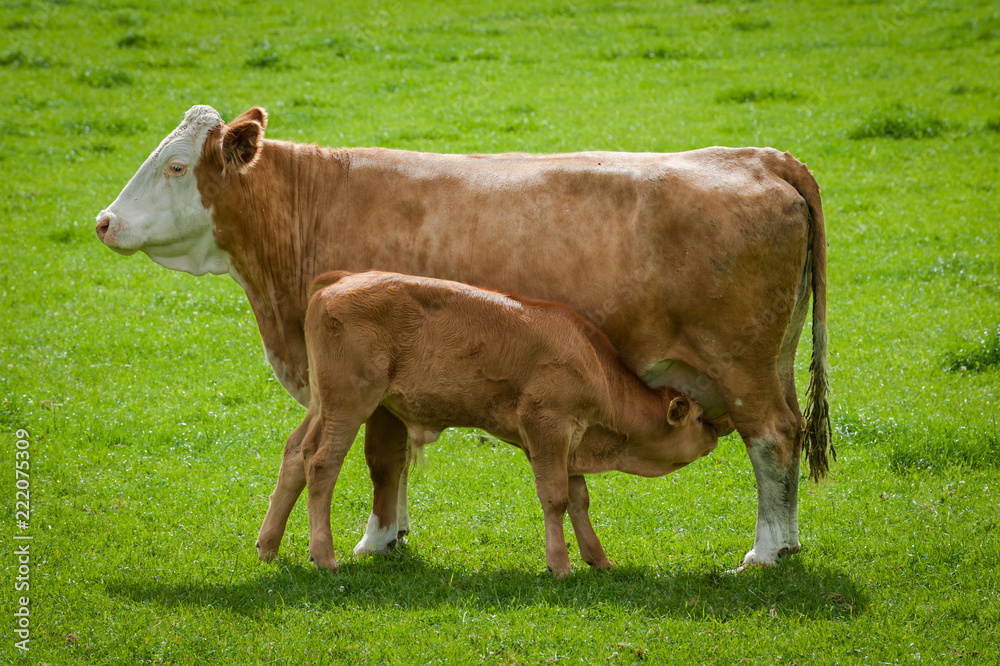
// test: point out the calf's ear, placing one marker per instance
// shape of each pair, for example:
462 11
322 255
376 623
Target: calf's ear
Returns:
241 141
678 409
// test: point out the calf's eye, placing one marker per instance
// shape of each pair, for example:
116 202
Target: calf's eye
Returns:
176 169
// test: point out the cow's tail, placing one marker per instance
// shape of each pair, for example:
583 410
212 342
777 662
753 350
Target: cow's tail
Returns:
818 430
325 280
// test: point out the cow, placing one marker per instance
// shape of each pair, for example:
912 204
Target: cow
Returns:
698 267
438 354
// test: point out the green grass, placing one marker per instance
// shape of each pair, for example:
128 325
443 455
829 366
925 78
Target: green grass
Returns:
899 122
983 354
156 426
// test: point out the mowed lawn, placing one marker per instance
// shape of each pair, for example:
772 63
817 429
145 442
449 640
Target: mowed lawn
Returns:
155 426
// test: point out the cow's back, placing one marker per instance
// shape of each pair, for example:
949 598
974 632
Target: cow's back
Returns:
639 243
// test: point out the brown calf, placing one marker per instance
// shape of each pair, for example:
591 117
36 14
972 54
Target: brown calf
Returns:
438 354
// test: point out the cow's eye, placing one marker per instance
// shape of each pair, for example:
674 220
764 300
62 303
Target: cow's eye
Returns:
176 169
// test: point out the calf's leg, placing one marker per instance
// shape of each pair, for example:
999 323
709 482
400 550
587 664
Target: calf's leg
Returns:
291 481
324 456
579 515
548 442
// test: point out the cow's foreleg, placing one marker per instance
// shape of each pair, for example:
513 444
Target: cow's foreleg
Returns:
402 506
323 458
291 481
386 452
579 514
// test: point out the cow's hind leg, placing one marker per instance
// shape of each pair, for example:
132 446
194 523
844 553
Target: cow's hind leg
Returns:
773 443
291 481
579 514
386 452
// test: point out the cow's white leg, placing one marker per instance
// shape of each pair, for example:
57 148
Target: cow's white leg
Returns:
378 538
386 451
777 505
402 506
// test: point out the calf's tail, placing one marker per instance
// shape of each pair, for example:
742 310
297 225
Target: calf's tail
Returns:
325 280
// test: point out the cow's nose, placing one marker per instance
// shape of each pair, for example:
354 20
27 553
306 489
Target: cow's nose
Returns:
103 222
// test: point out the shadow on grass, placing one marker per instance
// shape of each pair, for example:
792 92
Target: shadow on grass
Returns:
403 582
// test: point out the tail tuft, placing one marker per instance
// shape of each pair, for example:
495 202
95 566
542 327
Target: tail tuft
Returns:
819 432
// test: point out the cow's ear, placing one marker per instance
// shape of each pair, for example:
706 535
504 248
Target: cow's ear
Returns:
241 142
253 114
678 409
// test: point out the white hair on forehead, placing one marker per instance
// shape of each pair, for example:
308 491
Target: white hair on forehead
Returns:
198 121
202 114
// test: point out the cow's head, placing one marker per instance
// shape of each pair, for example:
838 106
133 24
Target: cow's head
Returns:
162 211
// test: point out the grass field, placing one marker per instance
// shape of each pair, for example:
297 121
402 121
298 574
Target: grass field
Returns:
154 425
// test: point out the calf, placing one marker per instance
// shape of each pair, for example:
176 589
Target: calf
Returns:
438 354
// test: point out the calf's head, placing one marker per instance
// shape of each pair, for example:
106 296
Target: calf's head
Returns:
163 211
696 437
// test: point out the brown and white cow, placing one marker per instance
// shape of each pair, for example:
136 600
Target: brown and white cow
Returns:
438 354
698 266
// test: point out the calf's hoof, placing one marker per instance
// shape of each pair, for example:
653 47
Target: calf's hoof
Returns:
265 554
329 563
601 565
560 571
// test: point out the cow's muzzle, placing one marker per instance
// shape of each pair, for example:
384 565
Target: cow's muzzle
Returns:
103 224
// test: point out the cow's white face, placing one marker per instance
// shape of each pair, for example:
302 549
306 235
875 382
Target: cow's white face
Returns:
160 211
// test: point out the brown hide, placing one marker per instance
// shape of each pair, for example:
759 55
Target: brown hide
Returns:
438 354
674 256
698 267
441 354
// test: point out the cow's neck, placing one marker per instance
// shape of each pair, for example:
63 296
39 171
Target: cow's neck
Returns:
265 224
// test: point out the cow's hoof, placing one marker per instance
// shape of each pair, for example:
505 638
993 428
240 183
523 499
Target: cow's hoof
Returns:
753 559
368 548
